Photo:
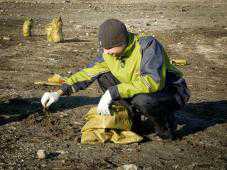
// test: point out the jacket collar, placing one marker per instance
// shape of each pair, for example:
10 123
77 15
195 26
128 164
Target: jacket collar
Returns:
130 46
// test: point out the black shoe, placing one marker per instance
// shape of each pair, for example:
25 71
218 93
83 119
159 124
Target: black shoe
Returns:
167 130
136 124
172 125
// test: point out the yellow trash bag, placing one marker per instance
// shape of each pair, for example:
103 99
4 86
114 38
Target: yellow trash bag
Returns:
27 26
55 80
179 62
115 127
54 30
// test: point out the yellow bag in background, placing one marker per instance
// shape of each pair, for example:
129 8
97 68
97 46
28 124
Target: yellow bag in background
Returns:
54 30
179 62
115 127
27 26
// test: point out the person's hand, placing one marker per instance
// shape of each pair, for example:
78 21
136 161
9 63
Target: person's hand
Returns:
104 103
49 98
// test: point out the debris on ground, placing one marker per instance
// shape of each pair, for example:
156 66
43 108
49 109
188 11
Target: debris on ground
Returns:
54 30
128 167
41 154
27 26
179 62
55 80
6 38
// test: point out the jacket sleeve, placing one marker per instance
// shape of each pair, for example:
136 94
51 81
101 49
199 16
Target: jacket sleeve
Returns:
83 78
152 72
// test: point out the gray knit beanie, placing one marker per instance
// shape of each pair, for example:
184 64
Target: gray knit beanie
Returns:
112 33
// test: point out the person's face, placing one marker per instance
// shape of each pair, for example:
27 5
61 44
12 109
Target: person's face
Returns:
115 51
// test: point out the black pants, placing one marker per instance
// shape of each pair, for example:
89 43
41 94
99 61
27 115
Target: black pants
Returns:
159 106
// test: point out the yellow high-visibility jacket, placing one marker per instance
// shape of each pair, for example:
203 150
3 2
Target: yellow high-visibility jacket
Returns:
142 68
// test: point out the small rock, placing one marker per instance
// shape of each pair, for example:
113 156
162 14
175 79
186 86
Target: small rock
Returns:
69 72
185 9
13 128
127 167
155 22
78 26
62 114
61 152
6 38
176 166
41 154
148 24
77 139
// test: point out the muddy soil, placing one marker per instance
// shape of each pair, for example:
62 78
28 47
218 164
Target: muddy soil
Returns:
193 30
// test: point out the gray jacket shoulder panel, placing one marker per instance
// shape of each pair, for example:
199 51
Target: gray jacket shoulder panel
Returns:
152 57
146 41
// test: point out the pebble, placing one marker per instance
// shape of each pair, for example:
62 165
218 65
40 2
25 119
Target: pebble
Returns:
6 38
156 22
61 152
127 167
176 166
148 24
41 154
62 114
78 26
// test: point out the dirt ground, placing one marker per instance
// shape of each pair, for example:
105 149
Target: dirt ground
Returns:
195 30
